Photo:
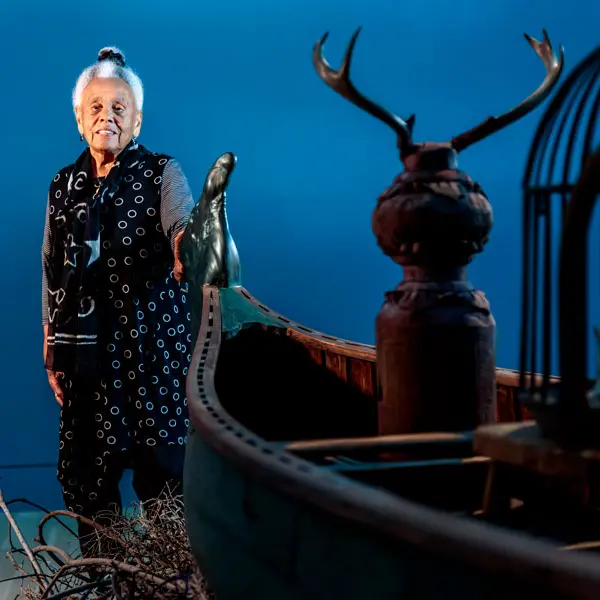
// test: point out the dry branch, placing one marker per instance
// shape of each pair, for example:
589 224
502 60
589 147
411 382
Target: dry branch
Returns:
13 525
149 557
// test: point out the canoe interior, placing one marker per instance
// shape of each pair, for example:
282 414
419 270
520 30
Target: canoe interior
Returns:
282 389
317 385
290 385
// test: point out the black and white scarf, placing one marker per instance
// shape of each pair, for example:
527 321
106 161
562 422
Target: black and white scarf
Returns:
72 270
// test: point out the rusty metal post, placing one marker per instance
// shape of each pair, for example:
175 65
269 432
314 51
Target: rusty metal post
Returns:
435 333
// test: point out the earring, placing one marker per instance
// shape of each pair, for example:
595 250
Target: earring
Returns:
81 138
134 139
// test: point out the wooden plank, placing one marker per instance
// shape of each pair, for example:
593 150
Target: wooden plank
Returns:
407 464
346 444
337 364
316 354
361 375
522 445
505 407
510 378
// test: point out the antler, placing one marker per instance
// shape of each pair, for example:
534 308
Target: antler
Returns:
554 68
340 82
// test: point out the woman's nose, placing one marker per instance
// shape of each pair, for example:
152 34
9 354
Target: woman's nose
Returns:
107 115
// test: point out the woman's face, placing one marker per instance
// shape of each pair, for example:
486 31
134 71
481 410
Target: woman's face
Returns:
108 116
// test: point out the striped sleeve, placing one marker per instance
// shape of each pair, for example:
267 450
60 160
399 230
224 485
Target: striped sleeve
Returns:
176 200
46 247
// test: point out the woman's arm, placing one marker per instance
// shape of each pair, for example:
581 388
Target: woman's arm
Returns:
176 202
46 248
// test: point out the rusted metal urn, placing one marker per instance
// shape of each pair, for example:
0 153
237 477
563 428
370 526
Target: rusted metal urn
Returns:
435 333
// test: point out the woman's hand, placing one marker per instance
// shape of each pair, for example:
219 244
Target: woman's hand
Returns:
53 381
53 376
178 270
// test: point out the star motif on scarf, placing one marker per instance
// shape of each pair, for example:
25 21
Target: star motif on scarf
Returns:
71 251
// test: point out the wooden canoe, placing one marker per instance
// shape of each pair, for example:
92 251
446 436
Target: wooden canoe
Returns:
291 495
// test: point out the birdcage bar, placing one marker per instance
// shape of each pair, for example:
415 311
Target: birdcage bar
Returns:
537 299
589 134
573 320
548 184
547 294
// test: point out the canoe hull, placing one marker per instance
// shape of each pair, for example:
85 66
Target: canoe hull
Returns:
265 523
251 541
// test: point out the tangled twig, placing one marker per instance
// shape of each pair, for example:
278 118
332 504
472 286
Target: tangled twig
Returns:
146 555
13 525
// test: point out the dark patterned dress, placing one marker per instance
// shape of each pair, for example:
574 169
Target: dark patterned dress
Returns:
137 396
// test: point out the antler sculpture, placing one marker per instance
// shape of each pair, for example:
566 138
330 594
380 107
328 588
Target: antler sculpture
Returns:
341 83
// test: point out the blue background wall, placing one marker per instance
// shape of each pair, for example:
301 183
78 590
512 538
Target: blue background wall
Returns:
238 76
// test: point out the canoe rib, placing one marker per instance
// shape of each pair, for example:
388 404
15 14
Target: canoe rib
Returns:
495 550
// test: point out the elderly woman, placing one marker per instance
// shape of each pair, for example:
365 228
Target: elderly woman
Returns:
116 328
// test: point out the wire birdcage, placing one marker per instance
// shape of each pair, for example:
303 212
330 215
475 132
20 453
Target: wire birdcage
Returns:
560 188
